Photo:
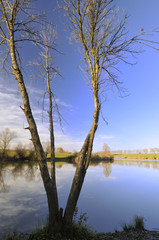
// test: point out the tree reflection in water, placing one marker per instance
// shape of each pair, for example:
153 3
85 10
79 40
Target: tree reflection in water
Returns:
107 169
144 163
4 188
29 171
23 200
26 170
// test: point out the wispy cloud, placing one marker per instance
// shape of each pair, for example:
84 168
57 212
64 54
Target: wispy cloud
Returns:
11 116
68 142
104 136
64 104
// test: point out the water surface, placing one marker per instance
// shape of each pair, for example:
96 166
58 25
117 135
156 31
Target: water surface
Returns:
111 195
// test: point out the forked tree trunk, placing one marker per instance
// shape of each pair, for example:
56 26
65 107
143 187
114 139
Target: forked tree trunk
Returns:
56 220
84 158
49 182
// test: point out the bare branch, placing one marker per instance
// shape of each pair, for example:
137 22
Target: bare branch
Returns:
104 39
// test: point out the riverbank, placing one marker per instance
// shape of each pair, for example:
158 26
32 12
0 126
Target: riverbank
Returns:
124 235
154 156
80 231
131 235
14 156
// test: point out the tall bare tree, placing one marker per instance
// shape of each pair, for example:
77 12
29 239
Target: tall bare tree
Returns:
104 43
48 72
103 38
6 136
19 23
106 148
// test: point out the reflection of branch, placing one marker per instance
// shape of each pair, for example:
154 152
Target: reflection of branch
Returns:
29 172
4 188
26 171
107 169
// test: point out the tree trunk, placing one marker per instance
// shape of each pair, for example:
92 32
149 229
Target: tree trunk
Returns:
83 163
49 183
57 225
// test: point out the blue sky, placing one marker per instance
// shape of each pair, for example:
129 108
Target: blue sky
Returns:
132 121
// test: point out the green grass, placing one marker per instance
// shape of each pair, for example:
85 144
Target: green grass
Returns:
63 155
78 230
138 156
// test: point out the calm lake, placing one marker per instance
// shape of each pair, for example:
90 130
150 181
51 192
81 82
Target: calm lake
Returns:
112 194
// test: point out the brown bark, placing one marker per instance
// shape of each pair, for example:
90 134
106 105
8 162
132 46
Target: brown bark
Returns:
57 224
56 221
83 163
49 182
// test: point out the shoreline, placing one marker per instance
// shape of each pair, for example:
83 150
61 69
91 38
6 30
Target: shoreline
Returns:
117 235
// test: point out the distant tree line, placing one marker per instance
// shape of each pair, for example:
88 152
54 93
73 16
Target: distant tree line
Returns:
21 151
136 151
106 149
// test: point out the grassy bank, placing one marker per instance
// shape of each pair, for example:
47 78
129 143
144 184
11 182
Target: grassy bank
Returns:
102 156
22 155
80 231
138 156
17 155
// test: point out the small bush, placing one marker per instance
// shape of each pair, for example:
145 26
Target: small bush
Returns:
138 224
20 152
101 156
79 231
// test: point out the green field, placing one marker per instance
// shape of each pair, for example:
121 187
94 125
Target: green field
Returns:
63 155
138 156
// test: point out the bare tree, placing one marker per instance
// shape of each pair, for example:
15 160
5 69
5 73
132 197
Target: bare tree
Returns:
107 169
60 150
145 150
6 136
46 147
152 150
48 73
106 148
19 23
103 40
94 24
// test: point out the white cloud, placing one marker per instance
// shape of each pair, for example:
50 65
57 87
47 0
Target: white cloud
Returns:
38 94
13 117
64 104
104 136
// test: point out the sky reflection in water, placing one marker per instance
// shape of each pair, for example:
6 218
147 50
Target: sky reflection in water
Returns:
111 195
